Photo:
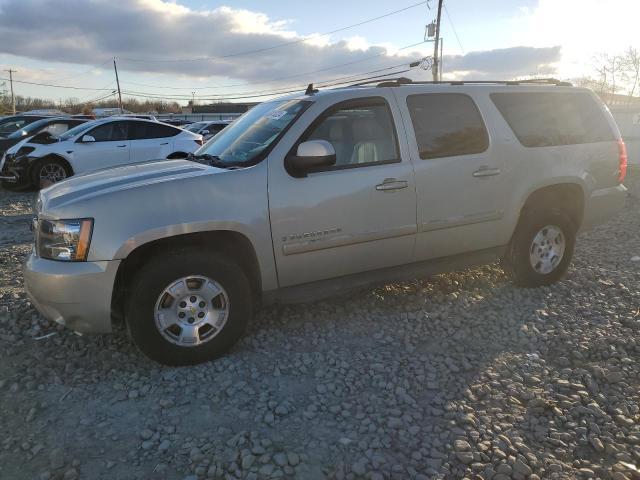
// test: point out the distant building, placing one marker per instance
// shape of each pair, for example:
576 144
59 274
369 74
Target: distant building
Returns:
223 108
618 100
108 112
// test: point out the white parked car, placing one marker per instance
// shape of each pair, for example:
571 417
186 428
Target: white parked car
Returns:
96 145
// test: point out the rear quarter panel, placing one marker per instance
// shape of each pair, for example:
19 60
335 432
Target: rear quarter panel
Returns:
592 166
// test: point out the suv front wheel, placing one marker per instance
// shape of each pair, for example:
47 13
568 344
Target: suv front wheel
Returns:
541 248
187 307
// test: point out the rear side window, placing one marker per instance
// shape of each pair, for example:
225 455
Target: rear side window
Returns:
546 119
447 125
144 130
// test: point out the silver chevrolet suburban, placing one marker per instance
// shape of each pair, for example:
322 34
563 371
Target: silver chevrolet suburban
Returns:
311 194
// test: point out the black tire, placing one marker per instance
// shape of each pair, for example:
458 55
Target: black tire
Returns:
160 272
517 261
43 163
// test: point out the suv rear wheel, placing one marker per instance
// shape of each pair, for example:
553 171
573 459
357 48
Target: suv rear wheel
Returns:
188 307
541 248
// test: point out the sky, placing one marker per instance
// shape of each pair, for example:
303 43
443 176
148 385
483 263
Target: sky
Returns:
239 49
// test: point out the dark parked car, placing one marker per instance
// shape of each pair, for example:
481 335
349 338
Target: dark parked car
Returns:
207 128
176 122
53 126
8 125
41 131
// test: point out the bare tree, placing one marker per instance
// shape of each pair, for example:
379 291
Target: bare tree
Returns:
631 70
609 69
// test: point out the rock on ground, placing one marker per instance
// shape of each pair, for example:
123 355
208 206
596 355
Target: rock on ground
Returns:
457 376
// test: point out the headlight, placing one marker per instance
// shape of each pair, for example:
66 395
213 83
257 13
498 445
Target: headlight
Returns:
65 240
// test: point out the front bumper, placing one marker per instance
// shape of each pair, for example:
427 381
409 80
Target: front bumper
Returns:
74 294
14 169
602 205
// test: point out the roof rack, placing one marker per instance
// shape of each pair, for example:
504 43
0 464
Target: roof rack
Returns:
396 82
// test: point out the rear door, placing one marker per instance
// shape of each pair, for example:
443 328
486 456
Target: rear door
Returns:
110 148
459 174
151 140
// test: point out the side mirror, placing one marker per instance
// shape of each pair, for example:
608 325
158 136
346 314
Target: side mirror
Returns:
87 139
311 155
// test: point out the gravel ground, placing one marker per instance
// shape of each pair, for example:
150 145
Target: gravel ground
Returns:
459 376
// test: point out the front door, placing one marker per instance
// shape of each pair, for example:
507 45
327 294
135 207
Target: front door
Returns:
356 216
460 175
110 148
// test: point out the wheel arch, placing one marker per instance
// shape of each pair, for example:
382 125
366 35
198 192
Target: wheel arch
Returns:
568 196
53 156
229 242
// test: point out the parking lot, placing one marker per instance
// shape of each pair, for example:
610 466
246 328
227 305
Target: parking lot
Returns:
448 377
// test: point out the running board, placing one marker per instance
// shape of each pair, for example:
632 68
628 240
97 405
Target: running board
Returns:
332 287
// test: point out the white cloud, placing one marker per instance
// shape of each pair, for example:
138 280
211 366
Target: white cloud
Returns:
91 33
582 27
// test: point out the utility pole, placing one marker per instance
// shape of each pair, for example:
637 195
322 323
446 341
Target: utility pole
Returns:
193 100
436 47
115 67
13 100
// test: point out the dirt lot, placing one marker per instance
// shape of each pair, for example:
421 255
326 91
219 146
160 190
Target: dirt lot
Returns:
462 375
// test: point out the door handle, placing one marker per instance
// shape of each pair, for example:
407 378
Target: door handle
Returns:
165 143
485 171
120 146
392 184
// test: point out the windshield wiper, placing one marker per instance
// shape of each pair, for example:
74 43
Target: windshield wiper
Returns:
211 160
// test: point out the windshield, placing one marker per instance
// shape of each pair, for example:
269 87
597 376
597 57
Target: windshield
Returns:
72 132
246 139
30 129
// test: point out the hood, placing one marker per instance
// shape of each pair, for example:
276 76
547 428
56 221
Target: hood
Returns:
14 148
103 182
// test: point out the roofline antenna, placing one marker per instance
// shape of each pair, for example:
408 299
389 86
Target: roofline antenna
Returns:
310 90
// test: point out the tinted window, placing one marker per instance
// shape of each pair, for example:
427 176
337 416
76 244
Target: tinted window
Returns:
446 125
110 132
144 130
361 132
549 119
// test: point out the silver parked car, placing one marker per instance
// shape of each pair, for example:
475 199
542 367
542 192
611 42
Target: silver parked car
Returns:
312 194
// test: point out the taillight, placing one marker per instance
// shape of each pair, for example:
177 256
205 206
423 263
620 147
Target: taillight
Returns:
622 160
200 142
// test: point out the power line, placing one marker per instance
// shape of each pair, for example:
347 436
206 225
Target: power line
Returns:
54 86
111 82
453 28
283 89
80 74
98 99
264 49
264 82
382 76
51 85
